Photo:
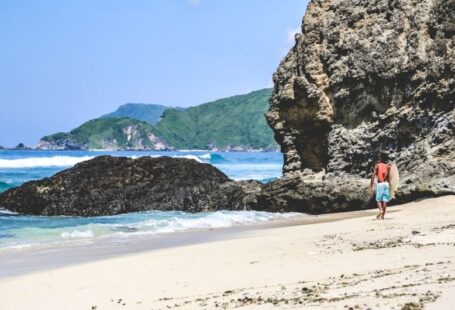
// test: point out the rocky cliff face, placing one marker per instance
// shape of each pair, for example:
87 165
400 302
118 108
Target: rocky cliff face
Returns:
365 76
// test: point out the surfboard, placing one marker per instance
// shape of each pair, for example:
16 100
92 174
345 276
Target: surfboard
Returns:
394 180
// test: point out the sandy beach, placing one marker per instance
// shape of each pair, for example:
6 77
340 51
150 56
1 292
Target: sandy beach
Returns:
404 262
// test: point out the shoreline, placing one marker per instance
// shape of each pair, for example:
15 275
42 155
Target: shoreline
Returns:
407 260
21 261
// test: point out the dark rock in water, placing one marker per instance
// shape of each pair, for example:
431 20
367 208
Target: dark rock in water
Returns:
365 76
112 185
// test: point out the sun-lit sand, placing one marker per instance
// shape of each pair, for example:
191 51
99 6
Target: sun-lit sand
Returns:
409 258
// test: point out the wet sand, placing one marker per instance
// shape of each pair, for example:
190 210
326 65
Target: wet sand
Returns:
21 261
336 261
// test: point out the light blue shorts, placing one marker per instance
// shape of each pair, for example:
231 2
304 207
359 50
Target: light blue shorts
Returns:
382 192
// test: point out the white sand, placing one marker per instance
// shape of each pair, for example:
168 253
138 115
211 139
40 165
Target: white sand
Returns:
361 263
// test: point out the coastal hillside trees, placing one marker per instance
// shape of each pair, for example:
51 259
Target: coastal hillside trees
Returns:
233 123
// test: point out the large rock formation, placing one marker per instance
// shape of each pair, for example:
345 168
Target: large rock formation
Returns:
365 76
111 185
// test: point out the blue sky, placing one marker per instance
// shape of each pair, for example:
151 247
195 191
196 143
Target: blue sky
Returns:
65 62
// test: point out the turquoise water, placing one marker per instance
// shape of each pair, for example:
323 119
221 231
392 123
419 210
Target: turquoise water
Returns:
17 167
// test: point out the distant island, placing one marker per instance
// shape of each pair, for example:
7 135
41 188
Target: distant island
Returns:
233 124
18 147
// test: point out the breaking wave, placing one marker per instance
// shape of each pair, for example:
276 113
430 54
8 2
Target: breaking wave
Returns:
38 230
181 221
32 162
213 158
61 161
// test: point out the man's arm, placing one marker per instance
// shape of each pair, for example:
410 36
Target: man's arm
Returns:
373 175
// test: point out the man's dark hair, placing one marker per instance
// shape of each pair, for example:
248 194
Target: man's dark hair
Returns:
383 157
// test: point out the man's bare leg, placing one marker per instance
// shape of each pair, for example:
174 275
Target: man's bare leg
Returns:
384 207
380 210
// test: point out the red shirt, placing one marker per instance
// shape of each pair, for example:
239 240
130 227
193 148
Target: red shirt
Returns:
382 171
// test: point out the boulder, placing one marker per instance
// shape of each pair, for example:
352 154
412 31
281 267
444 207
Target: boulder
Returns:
109 185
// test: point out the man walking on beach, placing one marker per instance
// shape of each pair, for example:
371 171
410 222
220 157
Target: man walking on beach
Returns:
381 171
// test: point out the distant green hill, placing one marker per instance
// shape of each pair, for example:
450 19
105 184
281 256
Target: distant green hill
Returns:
149 113
107 133
234 122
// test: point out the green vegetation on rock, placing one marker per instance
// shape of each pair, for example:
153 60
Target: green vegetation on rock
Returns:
234 122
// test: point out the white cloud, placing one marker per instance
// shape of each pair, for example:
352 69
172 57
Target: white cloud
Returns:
290 39
291 35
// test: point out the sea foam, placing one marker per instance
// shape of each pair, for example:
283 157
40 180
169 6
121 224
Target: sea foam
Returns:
68 161
32 162
77 234
52 230
166 222
188 157
6 212
213 158
205 156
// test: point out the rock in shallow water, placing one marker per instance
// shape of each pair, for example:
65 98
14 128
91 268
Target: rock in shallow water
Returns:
112 185
365 76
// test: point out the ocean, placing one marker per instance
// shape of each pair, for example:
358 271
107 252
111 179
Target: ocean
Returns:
18 231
